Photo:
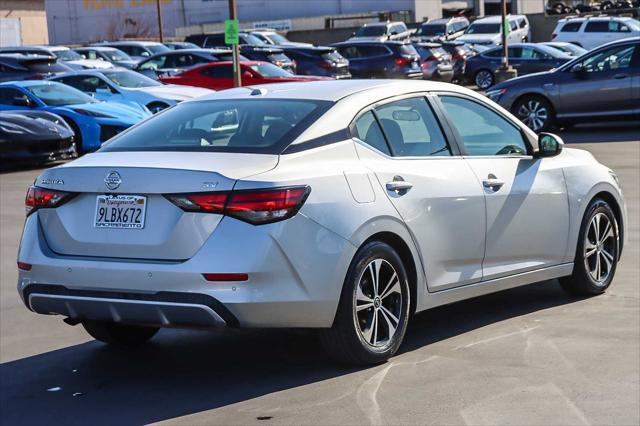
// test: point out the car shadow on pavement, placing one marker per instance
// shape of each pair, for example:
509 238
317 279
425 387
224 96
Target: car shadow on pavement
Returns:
628 131
185 372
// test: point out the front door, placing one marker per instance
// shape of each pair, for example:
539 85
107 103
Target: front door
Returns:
433 190
605 75
527 205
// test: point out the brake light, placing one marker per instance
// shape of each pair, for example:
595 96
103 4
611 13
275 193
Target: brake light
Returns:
23 266
402 61
253 206
226 277
325 65
42 198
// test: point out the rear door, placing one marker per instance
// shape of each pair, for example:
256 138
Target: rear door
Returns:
527 210
433 189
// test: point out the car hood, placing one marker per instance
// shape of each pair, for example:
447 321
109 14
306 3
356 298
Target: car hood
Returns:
174 92
126 112
479 38
91 63
33 125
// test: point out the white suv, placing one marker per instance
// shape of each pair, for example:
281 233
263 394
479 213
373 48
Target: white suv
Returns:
591 32
488 30
382 31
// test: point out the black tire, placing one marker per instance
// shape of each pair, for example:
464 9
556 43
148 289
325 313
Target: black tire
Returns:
482 76
523 107
119 334
346 341
582 281
156 107
558 8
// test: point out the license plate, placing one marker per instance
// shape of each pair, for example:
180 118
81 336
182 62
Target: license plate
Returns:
120 211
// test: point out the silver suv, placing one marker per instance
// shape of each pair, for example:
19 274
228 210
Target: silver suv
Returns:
442 29
382 31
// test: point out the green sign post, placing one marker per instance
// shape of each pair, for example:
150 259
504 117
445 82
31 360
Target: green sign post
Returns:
231 29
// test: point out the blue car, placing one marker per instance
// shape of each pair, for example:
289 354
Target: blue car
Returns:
526 58
381 59
92 121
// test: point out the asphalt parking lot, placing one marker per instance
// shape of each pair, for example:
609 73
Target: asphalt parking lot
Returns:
530 355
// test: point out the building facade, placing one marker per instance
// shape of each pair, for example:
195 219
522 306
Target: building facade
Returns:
23 22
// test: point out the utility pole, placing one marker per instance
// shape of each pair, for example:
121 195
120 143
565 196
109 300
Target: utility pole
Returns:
159 21
505 72
233 16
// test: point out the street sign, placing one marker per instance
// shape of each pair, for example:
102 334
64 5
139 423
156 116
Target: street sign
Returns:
231 29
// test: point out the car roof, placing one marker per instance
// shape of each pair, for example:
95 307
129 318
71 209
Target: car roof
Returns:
495 19
28 83
131 43
102 48
330 90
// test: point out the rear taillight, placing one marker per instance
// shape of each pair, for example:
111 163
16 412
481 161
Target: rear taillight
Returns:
42 198
253 206
325 65
402 61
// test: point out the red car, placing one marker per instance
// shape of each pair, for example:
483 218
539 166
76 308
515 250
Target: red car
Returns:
219 75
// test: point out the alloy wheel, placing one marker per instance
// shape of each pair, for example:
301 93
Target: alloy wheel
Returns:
378 303
534 114
600 248
484 79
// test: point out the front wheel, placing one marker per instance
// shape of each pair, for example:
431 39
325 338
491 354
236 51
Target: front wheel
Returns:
119 334
373 312
535 112
597 252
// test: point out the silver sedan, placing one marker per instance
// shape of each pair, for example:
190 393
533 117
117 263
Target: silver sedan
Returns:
344 206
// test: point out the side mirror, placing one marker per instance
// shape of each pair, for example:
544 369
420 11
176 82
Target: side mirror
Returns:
246 74
549 145
625 29
145 54
22 101
577 69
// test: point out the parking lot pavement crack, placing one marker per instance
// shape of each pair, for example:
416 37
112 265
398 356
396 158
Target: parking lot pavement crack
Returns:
502 336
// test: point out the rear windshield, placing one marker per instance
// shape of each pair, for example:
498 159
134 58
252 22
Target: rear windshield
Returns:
374 31
265 126
332 55
408 49
269 70
45 67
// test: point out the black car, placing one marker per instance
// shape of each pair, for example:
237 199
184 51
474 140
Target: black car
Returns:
318 60
251 47
526 58
381 59
434 61
34 137
16 66
173 62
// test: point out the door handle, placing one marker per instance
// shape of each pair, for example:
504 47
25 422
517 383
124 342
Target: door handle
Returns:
399 186
493 183
620 76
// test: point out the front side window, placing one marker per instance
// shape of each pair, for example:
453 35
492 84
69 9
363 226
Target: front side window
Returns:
87 84
89 54
411 128
483 131
615 58
366 129
234 125
222 71
154 64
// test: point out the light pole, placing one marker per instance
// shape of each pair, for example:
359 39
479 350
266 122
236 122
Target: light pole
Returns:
233 15
159 20
505 72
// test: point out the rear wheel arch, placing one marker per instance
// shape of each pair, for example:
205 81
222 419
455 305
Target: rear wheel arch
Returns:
77 137
402 249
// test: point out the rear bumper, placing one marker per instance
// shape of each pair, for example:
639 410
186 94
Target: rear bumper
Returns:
284 288
163 309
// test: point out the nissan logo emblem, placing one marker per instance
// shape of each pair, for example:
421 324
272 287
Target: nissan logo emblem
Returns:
113 180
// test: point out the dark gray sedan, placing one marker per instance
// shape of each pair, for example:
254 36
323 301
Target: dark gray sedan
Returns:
603 84
526 58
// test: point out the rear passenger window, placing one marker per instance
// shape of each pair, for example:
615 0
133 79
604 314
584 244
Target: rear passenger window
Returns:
571 27
369 51
411 129
367 130
597 27
522 23
224 71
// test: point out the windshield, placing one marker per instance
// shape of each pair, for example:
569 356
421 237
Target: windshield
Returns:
277 38
157 48
67 55
252 40
483 29
57 94
270 70
225 125
374 31
117 55
431 30
130 79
